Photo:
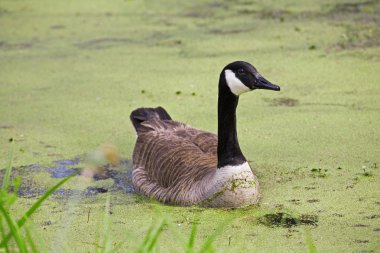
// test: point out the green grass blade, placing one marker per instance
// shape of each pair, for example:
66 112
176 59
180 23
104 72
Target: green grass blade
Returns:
106 226
36 236
127 237
33 246
190 245
117 247
309 241
155 236
35 206
207 246
97 240
3 233
146 240
151 237
15 231
4 187
38 203
176 232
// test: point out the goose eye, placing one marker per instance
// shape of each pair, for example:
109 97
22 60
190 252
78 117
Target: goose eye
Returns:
241 71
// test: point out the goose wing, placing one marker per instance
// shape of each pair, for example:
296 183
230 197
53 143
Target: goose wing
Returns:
173 162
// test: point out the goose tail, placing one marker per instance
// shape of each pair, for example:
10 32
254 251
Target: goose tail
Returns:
140 115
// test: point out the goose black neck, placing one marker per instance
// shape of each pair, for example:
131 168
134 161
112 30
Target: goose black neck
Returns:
229 152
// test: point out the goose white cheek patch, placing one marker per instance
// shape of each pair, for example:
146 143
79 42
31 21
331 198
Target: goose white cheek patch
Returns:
235 85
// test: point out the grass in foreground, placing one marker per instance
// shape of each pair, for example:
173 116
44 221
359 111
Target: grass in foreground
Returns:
9 228
17 236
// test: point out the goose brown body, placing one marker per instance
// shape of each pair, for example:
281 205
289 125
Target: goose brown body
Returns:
173 162
177 164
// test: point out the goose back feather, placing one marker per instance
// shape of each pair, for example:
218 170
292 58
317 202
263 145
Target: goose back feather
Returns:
172 161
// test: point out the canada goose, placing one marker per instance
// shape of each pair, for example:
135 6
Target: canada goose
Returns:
177 164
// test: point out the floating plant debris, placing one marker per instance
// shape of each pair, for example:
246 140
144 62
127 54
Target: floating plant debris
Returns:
286 220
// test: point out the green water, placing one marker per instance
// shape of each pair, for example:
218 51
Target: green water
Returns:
72 71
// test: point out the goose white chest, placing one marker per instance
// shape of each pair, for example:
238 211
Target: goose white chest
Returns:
233 186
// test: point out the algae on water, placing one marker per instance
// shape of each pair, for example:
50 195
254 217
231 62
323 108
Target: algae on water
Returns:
72 72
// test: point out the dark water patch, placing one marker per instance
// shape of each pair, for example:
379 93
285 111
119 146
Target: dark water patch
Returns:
34 166
205 11
358 36
284 101
30 192
122 178
295 201
367 10
308 219
217 5
63 192
162 39
362 13
360 226
217 31
159 36
67 162
362 32
196 210
195 14
169 42
361 241
376 229
374 216
90 191
313 200
62 171
6 127
318 172
27 191
22 170
280 15
367 7
198 13
121 175
46 223
3 11
57 27
14 46
276 14
102 43
287 221
247 12
349 106
367 173
123 182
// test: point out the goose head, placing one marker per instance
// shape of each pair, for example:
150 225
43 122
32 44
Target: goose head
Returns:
241 77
